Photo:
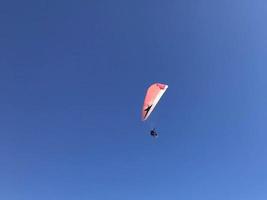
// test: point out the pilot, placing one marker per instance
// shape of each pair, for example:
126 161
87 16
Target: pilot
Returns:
153 133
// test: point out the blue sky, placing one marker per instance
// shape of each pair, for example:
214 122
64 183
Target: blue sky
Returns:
73 75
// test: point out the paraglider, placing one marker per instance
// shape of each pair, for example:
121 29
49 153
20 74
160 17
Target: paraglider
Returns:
153 95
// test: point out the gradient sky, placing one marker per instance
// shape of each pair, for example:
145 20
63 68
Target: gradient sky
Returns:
73 75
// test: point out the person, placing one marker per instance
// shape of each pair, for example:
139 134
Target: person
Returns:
153 133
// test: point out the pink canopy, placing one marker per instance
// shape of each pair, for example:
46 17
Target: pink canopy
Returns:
153 95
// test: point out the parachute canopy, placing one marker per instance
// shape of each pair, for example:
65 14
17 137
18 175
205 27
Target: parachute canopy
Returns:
153 95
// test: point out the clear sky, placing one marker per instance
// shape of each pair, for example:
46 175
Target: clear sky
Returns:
73 76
